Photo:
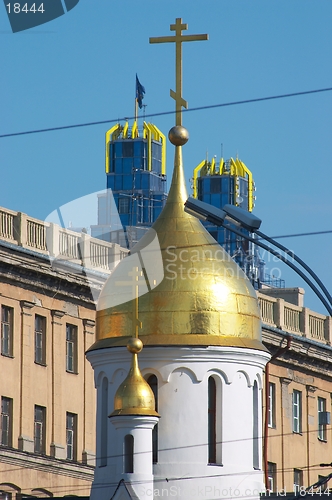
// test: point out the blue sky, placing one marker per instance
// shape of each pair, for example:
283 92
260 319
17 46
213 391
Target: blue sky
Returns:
81 68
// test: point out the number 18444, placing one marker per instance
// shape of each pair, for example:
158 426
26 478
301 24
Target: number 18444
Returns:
16 8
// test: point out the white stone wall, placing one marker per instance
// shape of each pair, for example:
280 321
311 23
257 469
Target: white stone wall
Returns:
182 469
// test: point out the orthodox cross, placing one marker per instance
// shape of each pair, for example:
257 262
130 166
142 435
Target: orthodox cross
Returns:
178 38
135 282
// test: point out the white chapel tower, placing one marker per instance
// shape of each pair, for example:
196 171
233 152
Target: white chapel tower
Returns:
185 423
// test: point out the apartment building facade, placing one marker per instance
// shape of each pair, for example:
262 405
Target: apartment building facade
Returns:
49 279
47 425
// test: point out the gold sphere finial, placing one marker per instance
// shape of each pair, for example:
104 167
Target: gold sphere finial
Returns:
134 345
178 135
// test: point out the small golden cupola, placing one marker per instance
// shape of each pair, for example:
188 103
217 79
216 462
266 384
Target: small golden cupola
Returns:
134 396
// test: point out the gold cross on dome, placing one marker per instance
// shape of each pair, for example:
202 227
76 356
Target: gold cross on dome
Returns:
178 38
135 282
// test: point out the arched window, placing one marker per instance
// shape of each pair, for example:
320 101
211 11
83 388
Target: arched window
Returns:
5 495
41 492
104 423
212 420
256 440
153 383
129 453
9 491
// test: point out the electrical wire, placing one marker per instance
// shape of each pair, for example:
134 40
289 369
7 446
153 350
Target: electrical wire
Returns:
242 440
301 234
163 113
172 479
157 480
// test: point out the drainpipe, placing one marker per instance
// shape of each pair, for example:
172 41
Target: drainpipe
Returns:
280 351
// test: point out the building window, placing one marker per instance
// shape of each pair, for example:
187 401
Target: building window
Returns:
129 453
297 412
256 437
39 493
7 330
123 205
322 419
40 429
324 487
272 405
215 185
40 340
71 435
71 348
272 476
153 383
298 479
6 421
212 409
128 149
104 423
4 495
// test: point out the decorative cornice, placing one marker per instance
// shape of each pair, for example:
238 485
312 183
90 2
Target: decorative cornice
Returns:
42 278
25 304
57 314
303 351
89 323
46 464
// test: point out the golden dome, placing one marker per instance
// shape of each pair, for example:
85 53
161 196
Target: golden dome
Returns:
204 298
134 396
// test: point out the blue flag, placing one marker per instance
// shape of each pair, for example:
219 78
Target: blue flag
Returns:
140 91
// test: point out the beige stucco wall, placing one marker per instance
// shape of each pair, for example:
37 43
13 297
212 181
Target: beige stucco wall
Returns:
50 386
289 450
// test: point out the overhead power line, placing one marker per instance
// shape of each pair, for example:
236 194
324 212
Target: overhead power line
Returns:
294 235
172 480
163 113
205 444
313 233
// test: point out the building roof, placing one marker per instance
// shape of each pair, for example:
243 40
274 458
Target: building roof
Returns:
124 491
